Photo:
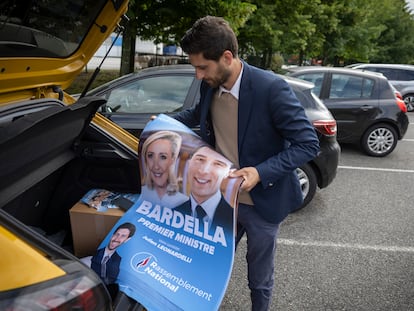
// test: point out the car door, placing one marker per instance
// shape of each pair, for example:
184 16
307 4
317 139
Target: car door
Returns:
352 101
132 104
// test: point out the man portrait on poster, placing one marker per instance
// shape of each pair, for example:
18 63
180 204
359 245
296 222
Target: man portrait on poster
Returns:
106 260
206 171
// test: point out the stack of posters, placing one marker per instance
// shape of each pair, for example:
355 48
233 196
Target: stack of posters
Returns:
174 247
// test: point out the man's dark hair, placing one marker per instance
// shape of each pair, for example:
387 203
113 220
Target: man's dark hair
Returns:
211 36
129 226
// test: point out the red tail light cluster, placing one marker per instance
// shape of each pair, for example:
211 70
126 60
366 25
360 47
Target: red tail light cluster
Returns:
400 101
398 95
80 293
326 127
402 105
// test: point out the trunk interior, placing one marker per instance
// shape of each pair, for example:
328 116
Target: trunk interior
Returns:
50 158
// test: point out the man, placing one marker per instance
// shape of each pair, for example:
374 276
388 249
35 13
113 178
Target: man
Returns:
206 171
253 118
106 260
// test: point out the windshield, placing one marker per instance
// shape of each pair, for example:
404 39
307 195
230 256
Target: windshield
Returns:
45 28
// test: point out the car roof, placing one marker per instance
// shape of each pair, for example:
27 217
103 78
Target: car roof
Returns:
177 67
396 66
303 69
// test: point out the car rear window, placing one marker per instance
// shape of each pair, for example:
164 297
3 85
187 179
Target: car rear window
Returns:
45 28
305 97
316 79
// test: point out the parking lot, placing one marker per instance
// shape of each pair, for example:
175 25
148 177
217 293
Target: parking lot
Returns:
352 248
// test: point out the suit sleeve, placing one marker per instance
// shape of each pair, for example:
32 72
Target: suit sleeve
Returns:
301 143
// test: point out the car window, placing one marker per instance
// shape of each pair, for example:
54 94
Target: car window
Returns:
43 31
305 97
394 74
315 78
406 75
347 86
389 73
150 95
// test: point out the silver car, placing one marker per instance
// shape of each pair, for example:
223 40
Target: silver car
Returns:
400 76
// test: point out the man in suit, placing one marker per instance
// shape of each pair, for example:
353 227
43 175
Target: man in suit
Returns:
106 261
206 171
253 118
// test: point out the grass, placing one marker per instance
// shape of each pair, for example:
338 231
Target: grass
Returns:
82 80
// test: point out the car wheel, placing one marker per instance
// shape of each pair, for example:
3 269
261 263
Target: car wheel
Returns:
308 184
379 140
409 102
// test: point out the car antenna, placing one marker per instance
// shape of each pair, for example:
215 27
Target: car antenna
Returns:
120 29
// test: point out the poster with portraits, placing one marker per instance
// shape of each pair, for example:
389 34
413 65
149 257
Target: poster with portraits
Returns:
174 248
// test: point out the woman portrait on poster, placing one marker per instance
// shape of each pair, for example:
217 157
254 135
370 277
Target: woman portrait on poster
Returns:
160 185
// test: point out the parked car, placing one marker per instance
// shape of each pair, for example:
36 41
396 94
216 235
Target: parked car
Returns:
400 76
51 153
132 100
363 104
37 275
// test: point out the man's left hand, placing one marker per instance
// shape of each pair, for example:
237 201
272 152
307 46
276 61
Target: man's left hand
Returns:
250 176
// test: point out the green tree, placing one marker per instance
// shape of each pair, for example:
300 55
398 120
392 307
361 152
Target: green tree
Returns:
395 43
260 37
337 31
165 21
282 27
353 35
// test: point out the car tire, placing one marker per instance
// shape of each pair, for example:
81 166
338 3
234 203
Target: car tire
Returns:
409 102
379 140
308 183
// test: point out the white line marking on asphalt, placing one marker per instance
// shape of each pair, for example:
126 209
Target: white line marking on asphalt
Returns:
408 139
395 170
380 248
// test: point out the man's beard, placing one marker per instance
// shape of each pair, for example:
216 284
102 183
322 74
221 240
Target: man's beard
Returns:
222 76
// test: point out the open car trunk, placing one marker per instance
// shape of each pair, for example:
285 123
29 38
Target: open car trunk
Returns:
51 155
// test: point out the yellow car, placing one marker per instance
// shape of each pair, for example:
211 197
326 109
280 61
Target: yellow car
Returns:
38 275
53 149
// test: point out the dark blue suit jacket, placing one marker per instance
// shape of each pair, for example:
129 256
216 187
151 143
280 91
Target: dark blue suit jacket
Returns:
112 266
274 136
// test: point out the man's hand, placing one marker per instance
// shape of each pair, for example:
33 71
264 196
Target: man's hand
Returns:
250 176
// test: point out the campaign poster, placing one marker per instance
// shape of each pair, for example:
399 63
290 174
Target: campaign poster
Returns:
174 248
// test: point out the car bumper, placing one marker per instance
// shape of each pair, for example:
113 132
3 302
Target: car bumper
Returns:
403 122
327 161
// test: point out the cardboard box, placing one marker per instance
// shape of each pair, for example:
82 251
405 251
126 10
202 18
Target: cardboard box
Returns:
90 227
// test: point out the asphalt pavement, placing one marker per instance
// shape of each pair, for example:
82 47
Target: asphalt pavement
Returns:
352 247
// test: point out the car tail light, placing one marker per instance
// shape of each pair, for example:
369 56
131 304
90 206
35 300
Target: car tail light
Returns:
80 293
398 95
401 104
326 127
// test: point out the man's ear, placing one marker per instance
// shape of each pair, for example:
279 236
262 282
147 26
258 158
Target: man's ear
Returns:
228 57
